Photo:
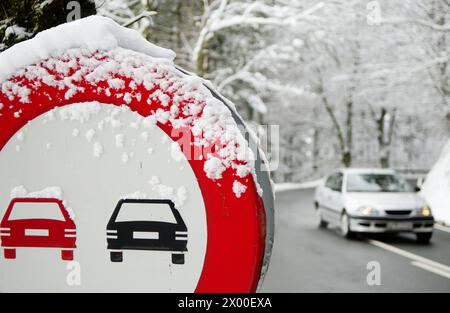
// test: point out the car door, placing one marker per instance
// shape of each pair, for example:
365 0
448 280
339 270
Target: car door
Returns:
325 197
335 198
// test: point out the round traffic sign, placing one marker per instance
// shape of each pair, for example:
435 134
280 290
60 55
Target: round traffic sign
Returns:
121 172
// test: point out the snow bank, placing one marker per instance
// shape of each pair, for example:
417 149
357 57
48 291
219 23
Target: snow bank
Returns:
280 187
93 33
436 189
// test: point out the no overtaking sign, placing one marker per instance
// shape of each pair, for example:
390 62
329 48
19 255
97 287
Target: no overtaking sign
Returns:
124 170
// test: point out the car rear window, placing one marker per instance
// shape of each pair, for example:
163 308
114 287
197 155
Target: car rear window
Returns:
36 210
145 212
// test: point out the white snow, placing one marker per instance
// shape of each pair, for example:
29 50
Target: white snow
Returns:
18 191
47 192
214 168
162 116
132 85
160 96
238 188
90 135
97 149
242 170
127 98
120 139
135 195
154 180
19 32
436 188
93 33
181 196
167 192
164 191
175 152
44 4
78 113
125 157
116 83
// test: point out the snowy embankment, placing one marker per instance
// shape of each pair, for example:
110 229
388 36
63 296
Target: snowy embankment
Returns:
436 189
280 187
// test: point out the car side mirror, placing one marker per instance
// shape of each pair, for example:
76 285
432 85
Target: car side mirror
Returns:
417 189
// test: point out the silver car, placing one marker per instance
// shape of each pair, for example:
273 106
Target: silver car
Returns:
372 201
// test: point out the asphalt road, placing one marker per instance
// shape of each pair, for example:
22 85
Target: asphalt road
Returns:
308 259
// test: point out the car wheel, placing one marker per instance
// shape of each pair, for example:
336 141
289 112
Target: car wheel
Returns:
116 256
424 237
177 258
67 255
345 226
9 253
320 222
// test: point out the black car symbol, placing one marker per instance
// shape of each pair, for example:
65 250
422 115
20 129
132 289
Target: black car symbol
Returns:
150 224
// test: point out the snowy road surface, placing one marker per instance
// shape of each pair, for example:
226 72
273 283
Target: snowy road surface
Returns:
308 259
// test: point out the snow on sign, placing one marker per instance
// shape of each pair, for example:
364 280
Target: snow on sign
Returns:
121 172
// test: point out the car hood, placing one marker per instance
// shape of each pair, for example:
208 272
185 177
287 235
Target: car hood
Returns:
385 200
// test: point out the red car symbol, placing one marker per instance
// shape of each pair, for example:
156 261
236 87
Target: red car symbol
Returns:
37 223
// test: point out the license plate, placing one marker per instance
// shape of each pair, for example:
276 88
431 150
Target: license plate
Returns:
145 235
400 225
37 232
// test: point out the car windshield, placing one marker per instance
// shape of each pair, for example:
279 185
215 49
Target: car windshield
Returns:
36 210
377 183
147 212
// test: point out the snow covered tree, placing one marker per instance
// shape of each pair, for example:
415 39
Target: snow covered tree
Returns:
429 22
351 83
432 19
237 47
21 20
174 26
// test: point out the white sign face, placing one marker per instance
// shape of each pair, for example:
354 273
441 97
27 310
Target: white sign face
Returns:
113 184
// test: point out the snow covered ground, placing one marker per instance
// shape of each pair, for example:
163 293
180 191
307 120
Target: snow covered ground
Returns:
436 189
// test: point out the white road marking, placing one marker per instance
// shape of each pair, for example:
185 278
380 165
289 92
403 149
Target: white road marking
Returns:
427 264
432 269
442 228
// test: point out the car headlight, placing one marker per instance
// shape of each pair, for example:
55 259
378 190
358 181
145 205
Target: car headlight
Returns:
368 211
425 211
